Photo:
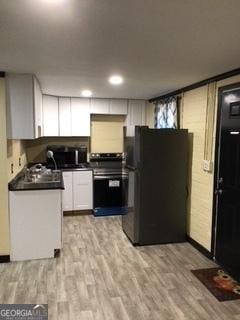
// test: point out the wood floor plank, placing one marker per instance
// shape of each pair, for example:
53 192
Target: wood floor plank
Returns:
101 276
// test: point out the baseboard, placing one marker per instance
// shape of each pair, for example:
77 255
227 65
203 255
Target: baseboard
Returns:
77 213
4 259
200 248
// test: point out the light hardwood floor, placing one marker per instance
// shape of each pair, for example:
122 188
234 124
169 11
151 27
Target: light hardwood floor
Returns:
101 276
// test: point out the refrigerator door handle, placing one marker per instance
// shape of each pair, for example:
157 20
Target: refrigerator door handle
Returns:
131 167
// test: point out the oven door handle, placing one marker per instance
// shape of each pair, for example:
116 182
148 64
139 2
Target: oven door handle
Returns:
110 177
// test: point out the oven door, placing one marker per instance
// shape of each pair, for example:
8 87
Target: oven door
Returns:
110 194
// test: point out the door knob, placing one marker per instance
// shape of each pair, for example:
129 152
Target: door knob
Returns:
219 191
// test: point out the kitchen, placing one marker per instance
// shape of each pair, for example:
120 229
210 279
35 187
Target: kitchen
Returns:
95 251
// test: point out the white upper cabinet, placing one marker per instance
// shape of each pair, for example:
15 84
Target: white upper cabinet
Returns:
38 109
50 116
24 106
80 115
136 109
118 106
136 115
65 119
100 106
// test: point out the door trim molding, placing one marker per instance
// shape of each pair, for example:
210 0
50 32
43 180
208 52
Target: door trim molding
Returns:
217 153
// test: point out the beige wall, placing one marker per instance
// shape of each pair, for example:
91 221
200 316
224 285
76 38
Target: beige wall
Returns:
150 115
4 220
16 156
193 117
107 133
36 149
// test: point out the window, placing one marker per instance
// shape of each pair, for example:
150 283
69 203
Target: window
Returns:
166 113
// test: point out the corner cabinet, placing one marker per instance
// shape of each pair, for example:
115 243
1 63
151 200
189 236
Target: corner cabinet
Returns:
78 193
24 106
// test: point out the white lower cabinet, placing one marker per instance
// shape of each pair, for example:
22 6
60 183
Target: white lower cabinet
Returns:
35 224
67 194
82 190
78 193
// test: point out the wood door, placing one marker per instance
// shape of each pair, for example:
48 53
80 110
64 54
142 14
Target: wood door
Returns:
227 251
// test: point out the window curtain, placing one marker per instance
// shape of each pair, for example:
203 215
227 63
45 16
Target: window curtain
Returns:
166 113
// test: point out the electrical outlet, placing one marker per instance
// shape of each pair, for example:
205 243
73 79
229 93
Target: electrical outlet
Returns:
19 161
12 168
207 165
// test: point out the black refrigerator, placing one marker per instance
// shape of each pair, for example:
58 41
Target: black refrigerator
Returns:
156 160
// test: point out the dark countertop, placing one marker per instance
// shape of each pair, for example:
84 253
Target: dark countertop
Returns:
76 169
80 167
17 184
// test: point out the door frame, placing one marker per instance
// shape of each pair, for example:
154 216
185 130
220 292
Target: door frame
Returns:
216 162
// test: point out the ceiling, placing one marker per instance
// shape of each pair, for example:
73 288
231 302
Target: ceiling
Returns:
156 45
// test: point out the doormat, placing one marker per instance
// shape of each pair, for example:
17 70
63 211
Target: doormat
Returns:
219 283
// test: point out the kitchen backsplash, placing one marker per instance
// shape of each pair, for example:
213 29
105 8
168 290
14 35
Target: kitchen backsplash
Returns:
36 149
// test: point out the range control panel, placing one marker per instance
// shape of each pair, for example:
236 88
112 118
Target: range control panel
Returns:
106 156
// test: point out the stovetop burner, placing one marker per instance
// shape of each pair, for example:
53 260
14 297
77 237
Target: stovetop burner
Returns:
106 163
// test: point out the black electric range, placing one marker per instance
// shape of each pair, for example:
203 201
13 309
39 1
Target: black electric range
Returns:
110 183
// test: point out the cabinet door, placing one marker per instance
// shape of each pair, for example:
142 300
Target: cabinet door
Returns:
40 218
137 112
67 194
65 117
38 108
136 115
82 190
118 106
50 116
20 109
80 117
100 106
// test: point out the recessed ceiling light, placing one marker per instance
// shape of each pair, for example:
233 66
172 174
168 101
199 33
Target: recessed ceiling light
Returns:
116 80
86 93
53 1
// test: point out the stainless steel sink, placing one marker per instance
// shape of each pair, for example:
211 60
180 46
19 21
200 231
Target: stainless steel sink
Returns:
48 177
